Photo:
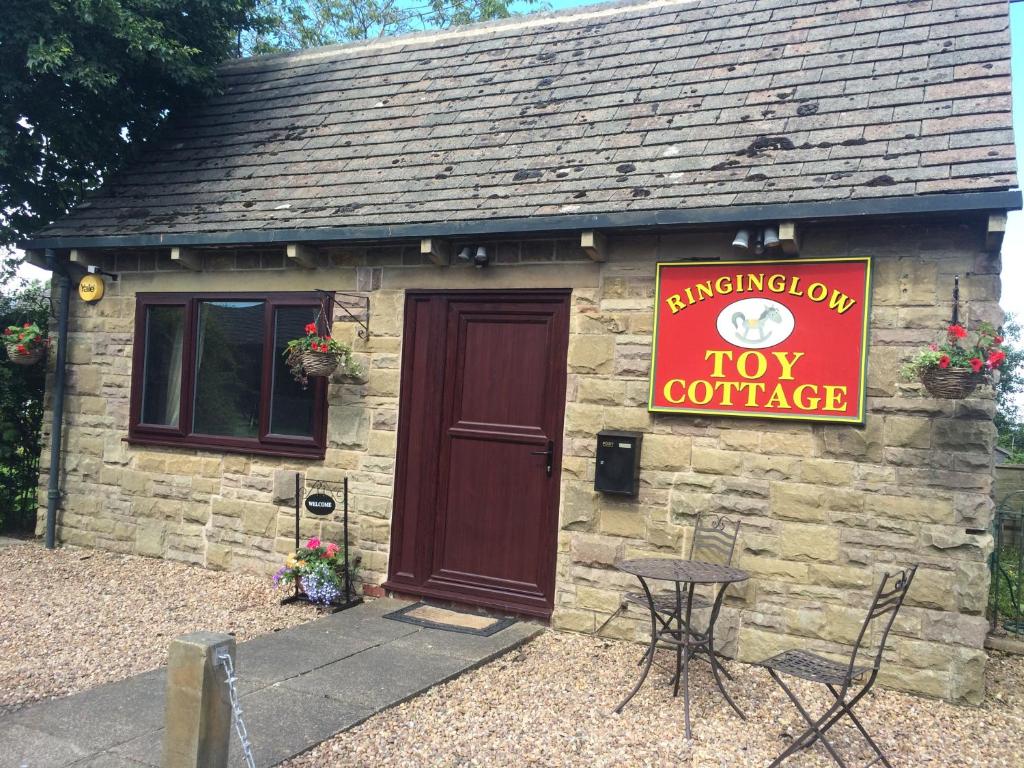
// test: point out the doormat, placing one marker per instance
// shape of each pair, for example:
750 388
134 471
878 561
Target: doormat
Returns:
449 620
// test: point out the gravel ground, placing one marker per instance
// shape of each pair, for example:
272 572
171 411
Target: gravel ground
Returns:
550 704
74 618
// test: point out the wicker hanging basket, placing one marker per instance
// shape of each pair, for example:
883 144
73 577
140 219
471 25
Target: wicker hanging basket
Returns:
951 383
319 363
31 357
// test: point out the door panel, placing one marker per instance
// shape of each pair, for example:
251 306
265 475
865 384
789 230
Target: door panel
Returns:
480 525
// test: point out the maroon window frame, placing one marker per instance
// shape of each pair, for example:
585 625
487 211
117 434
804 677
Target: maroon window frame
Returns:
181 435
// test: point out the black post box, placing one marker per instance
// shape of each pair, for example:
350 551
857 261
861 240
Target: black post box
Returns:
618 462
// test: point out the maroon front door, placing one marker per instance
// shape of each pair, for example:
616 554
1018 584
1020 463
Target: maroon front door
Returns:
479 448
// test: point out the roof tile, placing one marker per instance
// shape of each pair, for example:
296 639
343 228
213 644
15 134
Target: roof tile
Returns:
631 106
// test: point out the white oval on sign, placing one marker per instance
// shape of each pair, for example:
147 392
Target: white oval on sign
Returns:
755 323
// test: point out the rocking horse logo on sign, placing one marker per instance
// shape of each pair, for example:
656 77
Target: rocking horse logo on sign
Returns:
776 339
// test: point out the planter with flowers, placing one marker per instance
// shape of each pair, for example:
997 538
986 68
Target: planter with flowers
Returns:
316 355
955 368
318 572
26 344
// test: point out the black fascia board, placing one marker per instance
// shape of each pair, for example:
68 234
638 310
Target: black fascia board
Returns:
537 225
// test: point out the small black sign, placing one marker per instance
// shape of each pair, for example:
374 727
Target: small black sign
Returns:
320 504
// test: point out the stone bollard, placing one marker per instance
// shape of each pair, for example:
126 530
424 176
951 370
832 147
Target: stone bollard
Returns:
197 709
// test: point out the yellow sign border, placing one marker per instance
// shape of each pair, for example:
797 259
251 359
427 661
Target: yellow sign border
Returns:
865 340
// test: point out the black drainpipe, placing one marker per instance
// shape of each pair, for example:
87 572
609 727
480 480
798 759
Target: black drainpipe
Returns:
60 275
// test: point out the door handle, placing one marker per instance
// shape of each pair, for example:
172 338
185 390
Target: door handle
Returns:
550 453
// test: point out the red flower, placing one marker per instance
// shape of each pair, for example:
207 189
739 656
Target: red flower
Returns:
311 329
957 331
27 325
997 340
995 359
944 361
8 331
976 364
22 350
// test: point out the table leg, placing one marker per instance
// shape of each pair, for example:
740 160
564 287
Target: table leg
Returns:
716 665
685 637
650 651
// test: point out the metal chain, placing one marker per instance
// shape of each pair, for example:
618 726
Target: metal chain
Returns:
224 659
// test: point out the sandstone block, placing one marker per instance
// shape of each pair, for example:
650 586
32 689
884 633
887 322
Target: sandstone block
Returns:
932 510
573 620
809 542
603 391
260 519
594 550
933 588
858 443
785 570
622 522
591 354
601 600
150 539
665 452
908 432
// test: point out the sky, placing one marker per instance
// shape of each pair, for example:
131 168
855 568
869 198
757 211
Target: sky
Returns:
1013 244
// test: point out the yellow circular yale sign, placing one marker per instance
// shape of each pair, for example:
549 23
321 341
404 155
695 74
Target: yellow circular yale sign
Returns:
91 288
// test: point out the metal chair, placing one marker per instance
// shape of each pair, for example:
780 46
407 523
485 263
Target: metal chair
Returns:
714 541
840 677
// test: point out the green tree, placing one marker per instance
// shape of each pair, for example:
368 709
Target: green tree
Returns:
297 24
85 82
1009 389
21 411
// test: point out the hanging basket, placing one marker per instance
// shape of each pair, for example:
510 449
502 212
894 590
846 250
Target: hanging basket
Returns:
951 383
31 357
319 363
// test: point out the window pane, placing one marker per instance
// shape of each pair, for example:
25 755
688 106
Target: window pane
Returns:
291 407
229 362
161 371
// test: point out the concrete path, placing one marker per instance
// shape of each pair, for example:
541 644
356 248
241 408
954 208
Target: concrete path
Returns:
299 687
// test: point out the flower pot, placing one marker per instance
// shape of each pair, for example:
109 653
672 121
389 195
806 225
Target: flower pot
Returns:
319 363
31 357
951 383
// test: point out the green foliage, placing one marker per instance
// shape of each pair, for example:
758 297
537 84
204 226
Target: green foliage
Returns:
84 82
1009 389
21 410
297 24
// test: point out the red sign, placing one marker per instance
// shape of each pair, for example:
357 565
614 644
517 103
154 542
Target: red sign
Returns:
776 339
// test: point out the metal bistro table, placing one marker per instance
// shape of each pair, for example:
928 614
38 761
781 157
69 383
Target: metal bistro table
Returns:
673 627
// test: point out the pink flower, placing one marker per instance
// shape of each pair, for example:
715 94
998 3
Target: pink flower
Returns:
332 549
944 361
313 543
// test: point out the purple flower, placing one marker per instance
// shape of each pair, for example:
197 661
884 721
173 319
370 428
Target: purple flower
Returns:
279 574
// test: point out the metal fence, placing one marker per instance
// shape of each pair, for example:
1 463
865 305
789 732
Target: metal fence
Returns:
1007 565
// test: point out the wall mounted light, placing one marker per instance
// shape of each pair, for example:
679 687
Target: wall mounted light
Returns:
742 240
477 255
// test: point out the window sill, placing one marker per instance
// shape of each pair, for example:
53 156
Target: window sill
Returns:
281 451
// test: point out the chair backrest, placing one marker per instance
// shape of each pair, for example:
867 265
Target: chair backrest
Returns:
887 603
714 539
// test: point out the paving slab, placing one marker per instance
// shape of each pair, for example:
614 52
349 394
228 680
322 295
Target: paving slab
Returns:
298 687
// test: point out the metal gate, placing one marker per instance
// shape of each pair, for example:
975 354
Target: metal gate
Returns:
1007 566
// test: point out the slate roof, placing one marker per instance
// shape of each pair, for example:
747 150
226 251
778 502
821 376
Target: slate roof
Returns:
641 106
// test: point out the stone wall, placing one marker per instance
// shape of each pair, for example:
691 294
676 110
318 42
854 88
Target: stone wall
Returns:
825 509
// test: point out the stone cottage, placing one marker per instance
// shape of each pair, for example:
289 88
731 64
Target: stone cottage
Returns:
486 207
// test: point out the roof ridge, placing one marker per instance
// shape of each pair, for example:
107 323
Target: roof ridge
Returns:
595 10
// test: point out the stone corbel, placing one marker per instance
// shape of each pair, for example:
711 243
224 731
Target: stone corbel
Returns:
594 244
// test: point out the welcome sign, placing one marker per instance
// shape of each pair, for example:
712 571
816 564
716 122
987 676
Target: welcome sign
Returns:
775 339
